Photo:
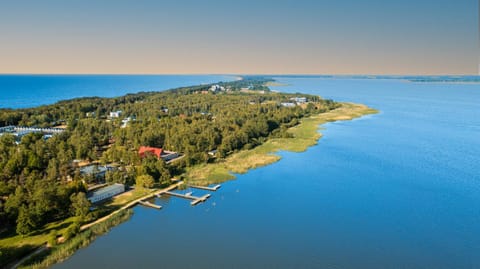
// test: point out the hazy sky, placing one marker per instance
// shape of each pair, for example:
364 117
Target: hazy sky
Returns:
262 36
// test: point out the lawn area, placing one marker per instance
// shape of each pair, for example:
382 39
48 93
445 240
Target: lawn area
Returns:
304 134
128 196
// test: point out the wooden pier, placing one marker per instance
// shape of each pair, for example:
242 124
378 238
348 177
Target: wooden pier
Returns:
214 188
146 203
131 204
195 199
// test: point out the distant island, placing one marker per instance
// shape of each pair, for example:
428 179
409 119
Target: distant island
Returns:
70 170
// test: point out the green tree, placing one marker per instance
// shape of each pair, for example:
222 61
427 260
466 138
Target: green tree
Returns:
116 176
38 175
145 181
80 204
15 201
25 221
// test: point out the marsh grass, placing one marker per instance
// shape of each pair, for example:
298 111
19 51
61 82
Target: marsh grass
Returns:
304 135
61 252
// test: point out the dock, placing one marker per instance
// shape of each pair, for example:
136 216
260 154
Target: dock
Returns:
195 199
131 204
214 188
146 203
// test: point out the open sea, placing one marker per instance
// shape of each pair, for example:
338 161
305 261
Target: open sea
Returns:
399 189
23 91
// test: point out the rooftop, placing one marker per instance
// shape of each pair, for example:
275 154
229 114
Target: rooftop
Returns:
155 151
106 189
90 169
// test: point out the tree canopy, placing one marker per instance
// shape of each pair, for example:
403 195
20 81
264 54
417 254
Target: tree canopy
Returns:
39 181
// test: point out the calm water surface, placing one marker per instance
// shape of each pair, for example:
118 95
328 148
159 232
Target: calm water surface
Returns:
400 189
21 91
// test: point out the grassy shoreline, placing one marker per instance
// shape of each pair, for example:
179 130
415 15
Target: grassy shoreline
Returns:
305 135
14 247
275 84
63 251
120 212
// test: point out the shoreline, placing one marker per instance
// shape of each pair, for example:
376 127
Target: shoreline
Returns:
296 137
85 228
305 135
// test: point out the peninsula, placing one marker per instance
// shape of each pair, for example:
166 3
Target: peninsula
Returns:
66 166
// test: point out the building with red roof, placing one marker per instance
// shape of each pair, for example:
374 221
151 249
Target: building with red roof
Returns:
143 151
157 152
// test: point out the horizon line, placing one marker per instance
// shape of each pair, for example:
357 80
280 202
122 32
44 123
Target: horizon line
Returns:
236 74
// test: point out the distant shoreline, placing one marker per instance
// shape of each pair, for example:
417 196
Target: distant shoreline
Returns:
18 89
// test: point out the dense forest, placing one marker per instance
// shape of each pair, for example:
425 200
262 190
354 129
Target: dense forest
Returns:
39 182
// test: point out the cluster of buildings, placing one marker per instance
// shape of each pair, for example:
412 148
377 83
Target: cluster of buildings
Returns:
294 101
214 89
19 131
99 172
117 114
217 88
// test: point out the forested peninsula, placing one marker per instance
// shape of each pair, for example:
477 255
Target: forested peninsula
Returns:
52 156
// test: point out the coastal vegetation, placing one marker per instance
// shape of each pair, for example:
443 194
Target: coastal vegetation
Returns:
300 137
212 126
57 253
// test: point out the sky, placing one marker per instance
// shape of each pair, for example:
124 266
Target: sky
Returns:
414 37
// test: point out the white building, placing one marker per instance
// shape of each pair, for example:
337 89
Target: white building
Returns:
115 114
212 153
215 88
20 131
125 122
106 193
300 100
287 104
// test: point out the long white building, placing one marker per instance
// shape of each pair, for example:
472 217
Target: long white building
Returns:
106 193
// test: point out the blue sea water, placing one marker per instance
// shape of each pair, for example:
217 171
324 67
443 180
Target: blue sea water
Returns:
399 189
23 91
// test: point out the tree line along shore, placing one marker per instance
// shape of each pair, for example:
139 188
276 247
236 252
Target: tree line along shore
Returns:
216 129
